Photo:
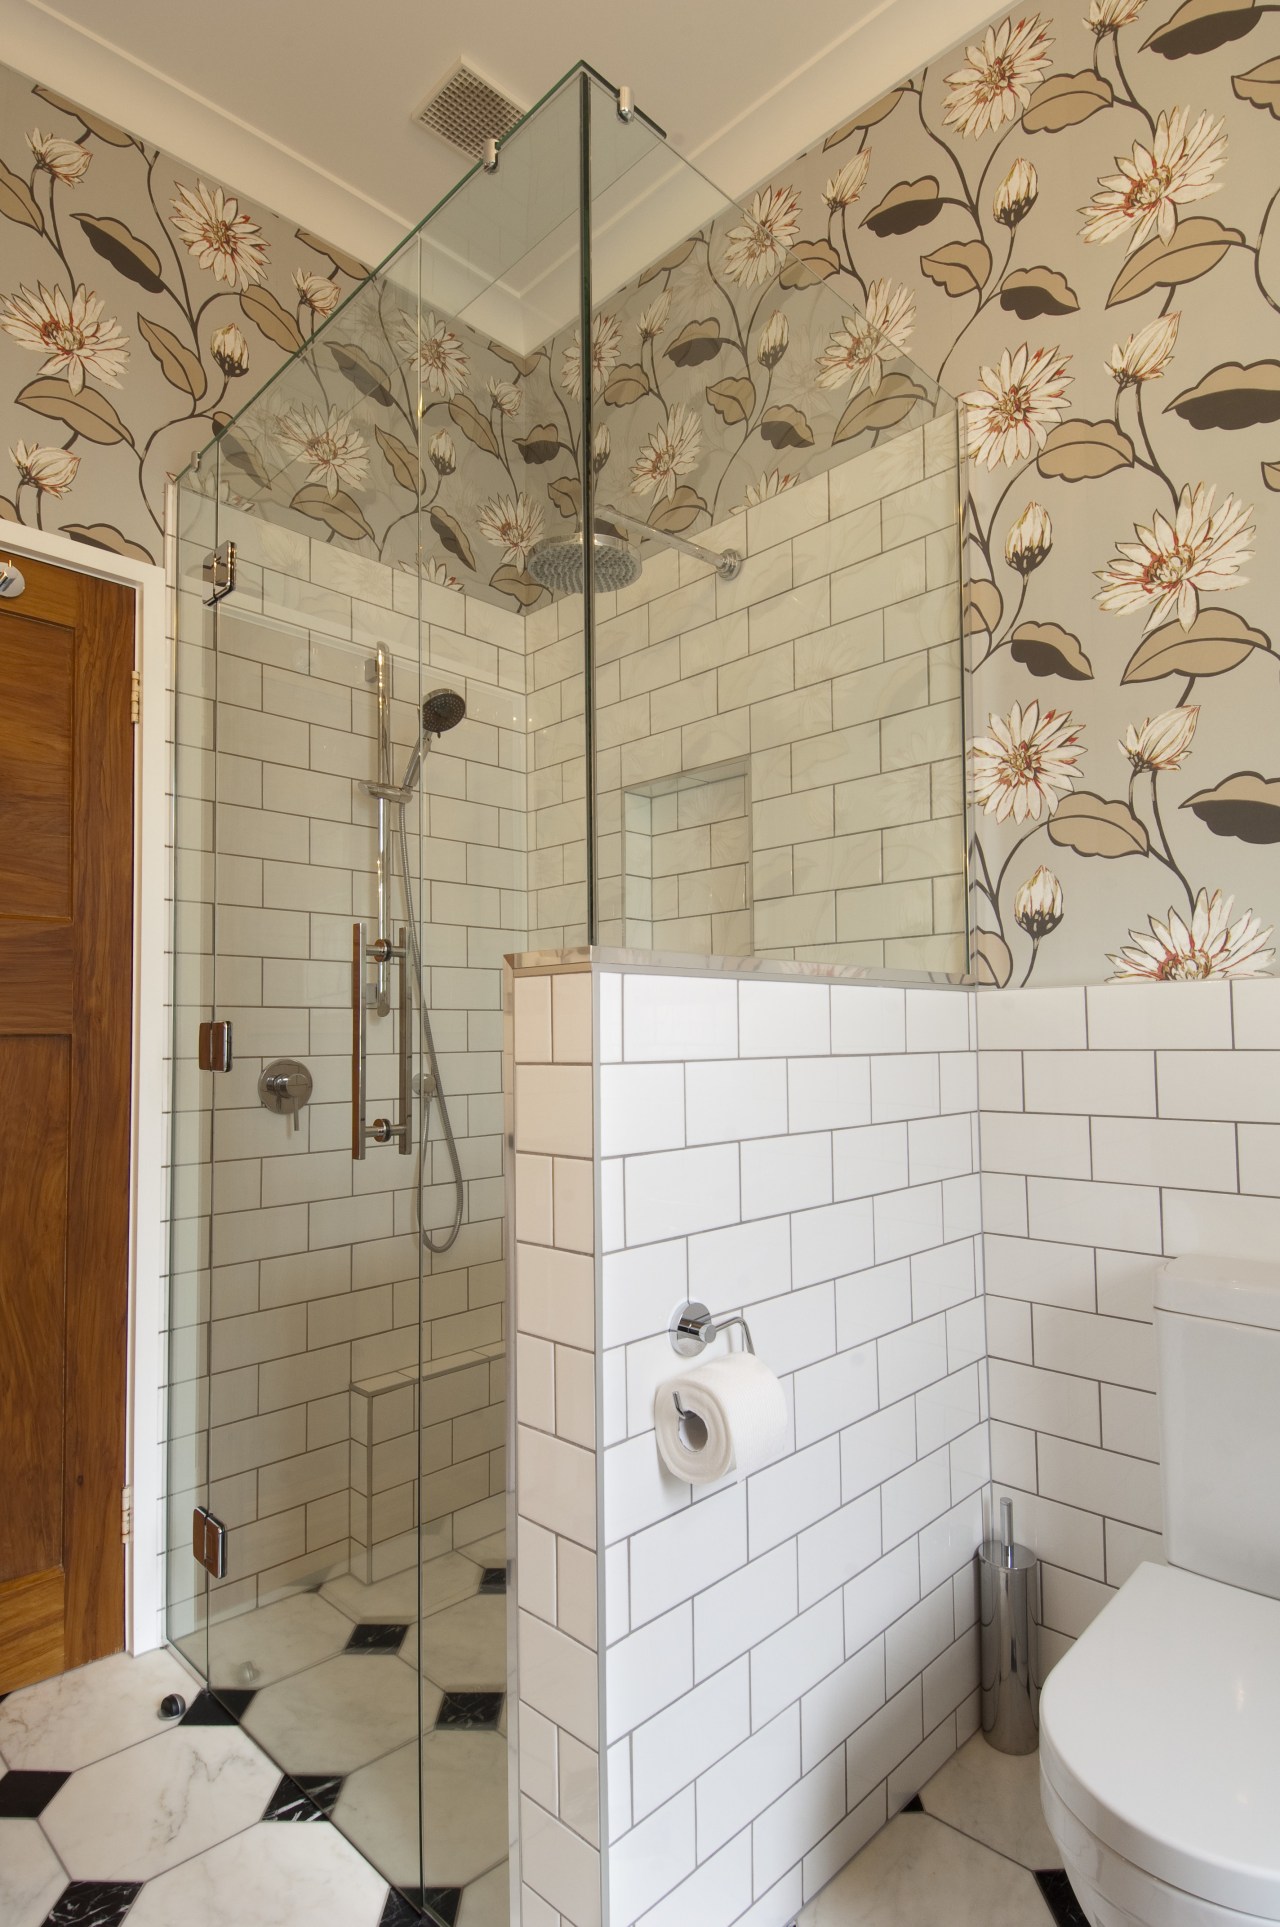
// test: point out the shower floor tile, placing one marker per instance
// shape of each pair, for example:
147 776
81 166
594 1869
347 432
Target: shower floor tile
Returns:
465 1647
31 1875
257 1648
79 1717
337 1717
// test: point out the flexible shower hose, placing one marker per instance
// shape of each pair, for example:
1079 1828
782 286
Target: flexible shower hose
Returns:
433 1066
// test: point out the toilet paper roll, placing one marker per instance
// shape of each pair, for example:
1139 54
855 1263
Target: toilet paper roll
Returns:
733 1418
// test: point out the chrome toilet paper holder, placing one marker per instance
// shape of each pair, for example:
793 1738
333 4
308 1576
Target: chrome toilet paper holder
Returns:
693 1328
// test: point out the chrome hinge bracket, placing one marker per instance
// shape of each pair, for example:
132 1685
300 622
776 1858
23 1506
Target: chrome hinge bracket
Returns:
209 1542
126 1514
135 696
215 1051
219 572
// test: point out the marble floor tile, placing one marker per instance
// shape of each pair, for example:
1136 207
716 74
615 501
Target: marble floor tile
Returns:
394 1598
142 1811
464 1797
257 1648
79 1717
337 1716
270 1876
449 1579
489 1551
487 1901
378 1812
466 1645
921 1872
31 1875
994 1797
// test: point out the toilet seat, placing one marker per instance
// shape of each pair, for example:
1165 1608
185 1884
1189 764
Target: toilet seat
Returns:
1160 1736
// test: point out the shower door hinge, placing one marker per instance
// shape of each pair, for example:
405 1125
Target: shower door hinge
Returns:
215 1052
209 1542
126 1514
219 572
135 696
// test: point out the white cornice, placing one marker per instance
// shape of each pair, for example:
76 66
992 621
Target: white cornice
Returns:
57 51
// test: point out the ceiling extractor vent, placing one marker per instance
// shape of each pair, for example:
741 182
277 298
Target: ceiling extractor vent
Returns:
467 110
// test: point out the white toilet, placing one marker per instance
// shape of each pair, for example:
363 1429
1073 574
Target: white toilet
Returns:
1160 1729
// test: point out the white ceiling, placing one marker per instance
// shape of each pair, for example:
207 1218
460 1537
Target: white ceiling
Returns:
306 104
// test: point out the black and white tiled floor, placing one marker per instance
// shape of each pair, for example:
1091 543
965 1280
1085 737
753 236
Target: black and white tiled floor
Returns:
109 1812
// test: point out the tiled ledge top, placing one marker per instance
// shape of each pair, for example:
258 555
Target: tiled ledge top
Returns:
539 963
433 1368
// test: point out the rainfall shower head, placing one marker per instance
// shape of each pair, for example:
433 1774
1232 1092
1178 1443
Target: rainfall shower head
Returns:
442 710
557 564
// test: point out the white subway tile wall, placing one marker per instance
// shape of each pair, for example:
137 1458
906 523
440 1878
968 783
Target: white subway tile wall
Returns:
1119 1125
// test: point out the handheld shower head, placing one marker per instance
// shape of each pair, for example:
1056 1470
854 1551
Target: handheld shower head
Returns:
443 709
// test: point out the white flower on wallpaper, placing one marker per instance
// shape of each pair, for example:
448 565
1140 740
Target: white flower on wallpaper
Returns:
1010 413
1175 951
1017 194
513 524
1161 741
856 354
1146 355
1108 16
318 292
673 449
506 396
769 485
230 350
1173 170
756 249
1037 906
438 356
1029 540
606 353
654 318
845 186
67 161
51 470
1173 563
774 340
1025 763
333 449
995 83
219 236
71 334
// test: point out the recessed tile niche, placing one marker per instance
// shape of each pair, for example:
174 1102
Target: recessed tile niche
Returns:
686 861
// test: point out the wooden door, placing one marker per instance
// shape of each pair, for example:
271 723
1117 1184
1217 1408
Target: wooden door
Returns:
66 924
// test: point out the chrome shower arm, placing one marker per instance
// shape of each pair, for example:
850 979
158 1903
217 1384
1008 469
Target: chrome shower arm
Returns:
727 564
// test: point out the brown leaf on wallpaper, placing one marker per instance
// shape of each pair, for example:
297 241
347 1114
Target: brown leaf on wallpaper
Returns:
908 205
674 258
453 535
106 130
103 535
1029 292
992 959
260 306
786 428
1046 650
1196 247
1079 451
1271 474
960 268
523 364
90 414
465 415
1216 642
338 511
566 493
1231 396
1246 806
344 262
122 250
180 367
733 399
17 203
1064 100
516 583
882 407
236 449
8 510
402 461
1260 86
808 262
628 383
1091 826
982 609
869 117
541 444
680 513
1201 25
697 341
365 375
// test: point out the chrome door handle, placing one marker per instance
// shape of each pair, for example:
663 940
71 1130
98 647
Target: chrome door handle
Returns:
359 1038
382 1130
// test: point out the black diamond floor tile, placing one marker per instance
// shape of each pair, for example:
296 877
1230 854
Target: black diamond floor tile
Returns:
225 1708
93 1903
24 1796
306 1796
493 1579
1060 1900
469 1712
376 1638
399 1912
914 1805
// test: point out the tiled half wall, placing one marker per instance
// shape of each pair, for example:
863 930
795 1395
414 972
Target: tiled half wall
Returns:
781 1661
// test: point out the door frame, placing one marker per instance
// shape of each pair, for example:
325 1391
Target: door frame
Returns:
144 1452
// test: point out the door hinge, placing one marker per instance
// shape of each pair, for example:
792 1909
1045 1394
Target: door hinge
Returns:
135 696
215 1046
126 1514
209 1542
219 571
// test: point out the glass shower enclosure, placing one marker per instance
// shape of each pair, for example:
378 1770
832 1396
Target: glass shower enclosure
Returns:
421 724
